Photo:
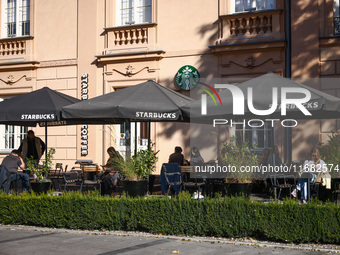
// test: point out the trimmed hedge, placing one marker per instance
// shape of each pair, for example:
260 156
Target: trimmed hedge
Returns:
221 217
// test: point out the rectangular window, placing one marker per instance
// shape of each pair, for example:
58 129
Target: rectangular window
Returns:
15 18
252 5
336 17
253 136
132 12
11 136
25 17
11 18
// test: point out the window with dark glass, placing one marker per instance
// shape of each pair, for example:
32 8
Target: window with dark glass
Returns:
253 5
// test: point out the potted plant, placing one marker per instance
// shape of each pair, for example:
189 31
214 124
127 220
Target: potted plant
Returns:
241 160
136 169
330 153
41 183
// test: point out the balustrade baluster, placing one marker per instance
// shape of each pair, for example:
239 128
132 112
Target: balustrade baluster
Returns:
117 39
128 37
240 27
17 48
145 35
253 27
24 47
123 38
12 48
269 25
261 25
139 36
5 49
247 27
133 41
232 27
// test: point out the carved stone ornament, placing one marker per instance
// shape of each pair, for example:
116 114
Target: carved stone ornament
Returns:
129 70
250 63
10 79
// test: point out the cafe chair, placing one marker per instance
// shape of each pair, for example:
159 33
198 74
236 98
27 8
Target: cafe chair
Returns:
336 191
15 185
4 179
171 177
280 182
56 176
71 181
90 176
192 182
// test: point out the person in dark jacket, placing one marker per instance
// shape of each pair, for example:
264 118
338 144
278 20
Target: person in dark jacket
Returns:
177 156
32 146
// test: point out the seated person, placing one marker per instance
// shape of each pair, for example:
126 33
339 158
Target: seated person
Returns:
278 161
12 162
111 174
177 156
311 166
195 157
265 161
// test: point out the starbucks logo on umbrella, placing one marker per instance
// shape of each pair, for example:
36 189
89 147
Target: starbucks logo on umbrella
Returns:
187 77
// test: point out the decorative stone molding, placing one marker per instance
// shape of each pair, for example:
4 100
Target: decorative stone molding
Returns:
250 63
129 70
10 79
62 62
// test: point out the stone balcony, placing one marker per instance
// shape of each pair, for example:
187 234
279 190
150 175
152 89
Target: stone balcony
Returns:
132 36
132 42
16 47
251 27
17 53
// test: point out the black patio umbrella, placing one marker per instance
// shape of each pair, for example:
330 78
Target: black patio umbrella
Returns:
148 101
321 105
41 106
145 102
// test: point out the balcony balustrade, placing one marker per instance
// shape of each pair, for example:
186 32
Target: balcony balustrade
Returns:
252 25
15 47
124 37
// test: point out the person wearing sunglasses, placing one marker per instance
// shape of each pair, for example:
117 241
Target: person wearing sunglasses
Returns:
312 168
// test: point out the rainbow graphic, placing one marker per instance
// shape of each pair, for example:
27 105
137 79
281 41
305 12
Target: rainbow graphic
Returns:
209 93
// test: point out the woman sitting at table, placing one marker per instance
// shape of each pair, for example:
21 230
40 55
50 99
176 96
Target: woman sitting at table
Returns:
111 175
313 168
195 157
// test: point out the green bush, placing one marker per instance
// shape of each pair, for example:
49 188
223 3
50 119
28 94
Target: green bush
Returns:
222 217
330 153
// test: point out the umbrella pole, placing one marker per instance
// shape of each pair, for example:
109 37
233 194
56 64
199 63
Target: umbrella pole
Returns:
288 130
135 138
149 145
272 145
273 154
45 140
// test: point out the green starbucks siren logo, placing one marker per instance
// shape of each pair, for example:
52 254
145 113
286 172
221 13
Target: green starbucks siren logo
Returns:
187 77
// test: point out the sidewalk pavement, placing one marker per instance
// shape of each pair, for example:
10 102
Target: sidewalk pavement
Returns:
36 240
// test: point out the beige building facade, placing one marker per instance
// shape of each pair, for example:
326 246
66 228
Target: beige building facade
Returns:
113 44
